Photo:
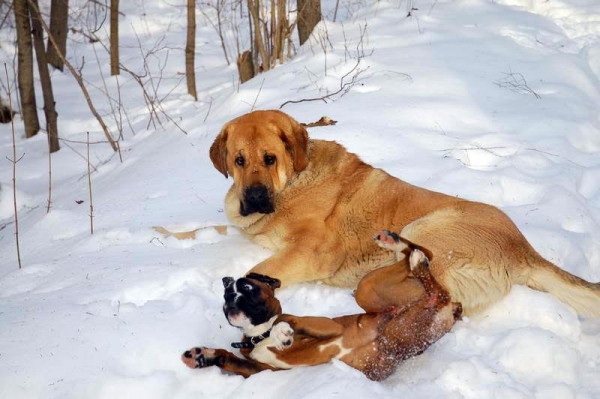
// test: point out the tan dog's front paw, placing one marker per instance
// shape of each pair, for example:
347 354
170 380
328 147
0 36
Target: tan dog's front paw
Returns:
282 335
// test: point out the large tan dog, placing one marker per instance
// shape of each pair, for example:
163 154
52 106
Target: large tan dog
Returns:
317 207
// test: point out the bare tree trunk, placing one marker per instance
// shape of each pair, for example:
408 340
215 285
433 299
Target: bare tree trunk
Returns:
279 25
337 5
190 49
268 37
254 8
114 37
59 28
77 76
25 73
280 34
253 49
40 52
262 17
309 15
272 34
245 66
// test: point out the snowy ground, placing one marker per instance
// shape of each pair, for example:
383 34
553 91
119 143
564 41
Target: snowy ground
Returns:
107 315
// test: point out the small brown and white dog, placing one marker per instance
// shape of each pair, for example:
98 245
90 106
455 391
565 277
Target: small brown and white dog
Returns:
374 343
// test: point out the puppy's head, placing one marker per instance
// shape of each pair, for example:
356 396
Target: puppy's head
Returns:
250 301
261 151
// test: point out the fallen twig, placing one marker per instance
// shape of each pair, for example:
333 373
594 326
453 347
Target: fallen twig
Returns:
324 121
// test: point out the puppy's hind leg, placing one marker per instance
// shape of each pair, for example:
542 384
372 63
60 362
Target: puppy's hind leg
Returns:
439 296
388 288
413 330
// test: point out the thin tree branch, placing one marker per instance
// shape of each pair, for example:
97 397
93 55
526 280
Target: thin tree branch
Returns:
14 175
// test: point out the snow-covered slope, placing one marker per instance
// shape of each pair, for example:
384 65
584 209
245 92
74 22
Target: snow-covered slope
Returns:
496 101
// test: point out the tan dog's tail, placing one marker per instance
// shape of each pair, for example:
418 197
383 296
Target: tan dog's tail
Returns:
582 295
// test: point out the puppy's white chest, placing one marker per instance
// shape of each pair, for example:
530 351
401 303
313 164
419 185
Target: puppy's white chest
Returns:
262 353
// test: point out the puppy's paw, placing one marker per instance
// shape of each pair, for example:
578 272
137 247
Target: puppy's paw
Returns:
418 260
389 240
197 358
282 335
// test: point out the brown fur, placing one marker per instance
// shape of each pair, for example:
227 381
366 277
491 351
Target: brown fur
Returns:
374 343
328 203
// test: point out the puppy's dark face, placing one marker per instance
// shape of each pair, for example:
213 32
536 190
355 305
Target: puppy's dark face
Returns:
250 301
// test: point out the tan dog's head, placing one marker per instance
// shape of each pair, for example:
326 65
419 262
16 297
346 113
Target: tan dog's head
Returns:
261 151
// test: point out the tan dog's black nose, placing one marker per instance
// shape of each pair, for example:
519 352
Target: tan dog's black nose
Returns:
256 199
256 195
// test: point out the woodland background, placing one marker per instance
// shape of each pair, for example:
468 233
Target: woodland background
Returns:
495 101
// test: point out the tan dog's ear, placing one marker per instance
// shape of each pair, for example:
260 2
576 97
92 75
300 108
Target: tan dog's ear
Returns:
218 153
296 142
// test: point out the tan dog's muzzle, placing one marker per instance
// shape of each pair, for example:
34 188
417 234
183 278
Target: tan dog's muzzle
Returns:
256 199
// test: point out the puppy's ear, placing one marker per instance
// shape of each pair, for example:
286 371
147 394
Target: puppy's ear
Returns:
218 152
227 281
271 282
295 138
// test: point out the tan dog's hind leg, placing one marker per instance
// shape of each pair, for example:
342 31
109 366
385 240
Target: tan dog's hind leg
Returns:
477 253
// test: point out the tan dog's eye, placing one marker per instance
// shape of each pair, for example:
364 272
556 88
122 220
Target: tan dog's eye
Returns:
270 160
240 161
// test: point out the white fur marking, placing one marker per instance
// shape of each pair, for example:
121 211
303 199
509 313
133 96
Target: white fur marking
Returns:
253 331
337 344
262 353
283 335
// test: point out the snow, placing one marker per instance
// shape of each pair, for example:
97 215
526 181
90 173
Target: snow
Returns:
108 315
